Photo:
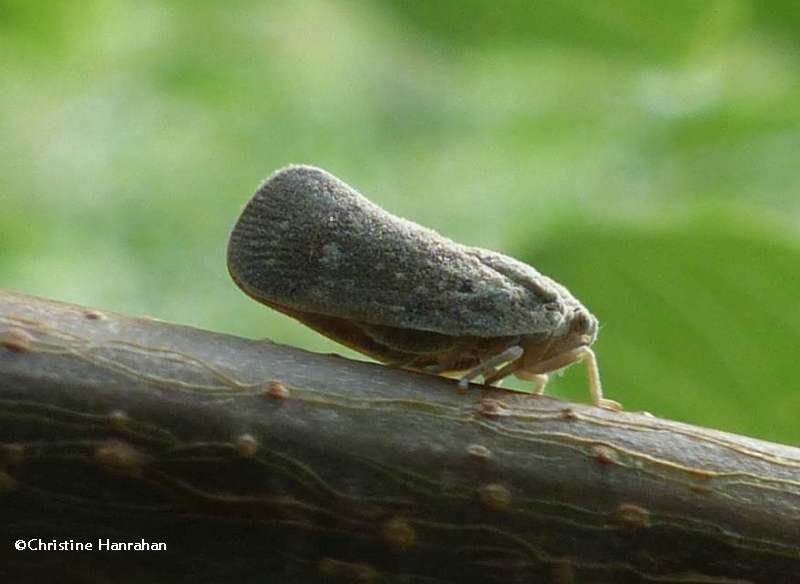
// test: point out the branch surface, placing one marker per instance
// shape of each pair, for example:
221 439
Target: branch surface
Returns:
256 462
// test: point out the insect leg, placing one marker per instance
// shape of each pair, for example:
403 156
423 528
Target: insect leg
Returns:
539 379
577 355
487 368
517 368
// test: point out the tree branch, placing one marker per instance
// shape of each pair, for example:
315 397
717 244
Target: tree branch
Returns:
253 462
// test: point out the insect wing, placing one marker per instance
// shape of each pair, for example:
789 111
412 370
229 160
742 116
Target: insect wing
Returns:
309 242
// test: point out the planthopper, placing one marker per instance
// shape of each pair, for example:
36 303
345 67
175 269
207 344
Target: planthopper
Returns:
312 247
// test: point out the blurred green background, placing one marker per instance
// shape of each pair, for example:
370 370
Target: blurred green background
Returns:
647 155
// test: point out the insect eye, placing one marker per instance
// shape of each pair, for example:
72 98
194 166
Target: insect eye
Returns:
583 324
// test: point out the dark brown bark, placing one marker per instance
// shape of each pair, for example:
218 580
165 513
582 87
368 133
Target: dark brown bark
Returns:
256 462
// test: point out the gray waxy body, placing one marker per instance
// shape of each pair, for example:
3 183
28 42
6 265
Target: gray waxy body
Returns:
311 246
309 241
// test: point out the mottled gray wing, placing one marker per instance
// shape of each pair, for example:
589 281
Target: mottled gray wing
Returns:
310 242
